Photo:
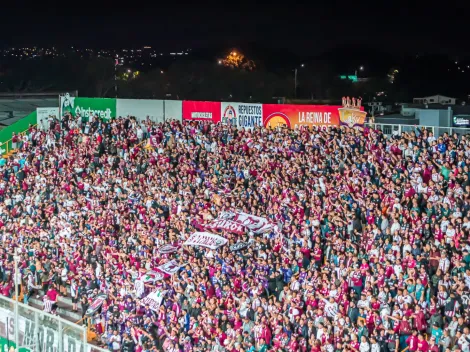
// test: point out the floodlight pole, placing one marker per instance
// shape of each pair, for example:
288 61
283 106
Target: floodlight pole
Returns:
17 324
295 83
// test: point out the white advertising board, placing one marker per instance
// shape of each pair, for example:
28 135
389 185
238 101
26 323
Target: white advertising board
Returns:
242 115
174 110
141 108
42 115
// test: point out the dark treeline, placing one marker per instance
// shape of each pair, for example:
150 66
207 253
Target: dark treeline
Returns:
206 80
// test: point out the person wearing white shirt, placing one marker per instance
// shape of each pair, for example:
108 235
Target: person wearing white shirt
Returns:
422 188
464 340
375 347
364 346
444 263
395 227
331 307
450 233
397 268
363 302
320 331
115 341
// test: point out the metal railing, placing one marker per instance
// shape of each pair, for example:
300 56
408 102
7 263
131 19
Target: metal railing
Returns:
39 331
6 146
388 129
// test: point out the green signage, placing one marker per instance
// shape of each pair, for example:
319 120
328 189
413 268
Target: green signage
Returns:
350 77
103 108
7 346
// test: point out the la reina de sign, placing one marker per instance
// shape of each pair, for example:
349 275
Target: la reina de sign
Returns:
315 118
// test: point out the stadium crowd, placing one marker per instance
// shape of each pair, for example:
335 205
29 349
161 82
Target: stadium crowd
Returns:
369 248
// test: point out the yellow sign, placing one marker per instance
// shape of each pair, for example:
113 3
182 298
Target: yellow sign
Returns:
352 117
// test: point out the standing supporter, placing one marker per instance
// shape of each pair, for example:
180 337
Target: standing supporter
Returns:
365 244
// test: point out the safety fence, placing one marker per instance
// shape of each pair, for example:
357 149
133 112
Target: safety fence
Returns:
389 129
39 331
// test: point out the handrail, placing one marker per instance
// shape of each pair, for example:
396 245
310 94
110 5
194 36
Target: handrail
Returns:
8 142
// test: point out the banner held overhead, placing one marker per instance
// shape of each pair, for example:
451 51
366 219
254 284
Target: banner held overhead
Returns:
205 239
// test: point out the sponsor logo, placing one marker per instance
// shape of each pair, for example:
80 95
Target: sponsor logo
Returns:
88 112
277 119
230 116
459 121
201 115
351 117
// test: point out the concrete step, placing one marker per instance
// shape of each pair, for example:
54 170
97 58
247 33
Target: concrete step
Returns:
64 309
67 300
38 305
65 313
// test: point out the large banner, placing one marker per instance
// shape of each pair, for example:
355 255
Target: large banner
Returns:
242 115
154 299
43 114
104 108
205 239
141 109
152 276
292 116
201 111
226 225
252 222
170 267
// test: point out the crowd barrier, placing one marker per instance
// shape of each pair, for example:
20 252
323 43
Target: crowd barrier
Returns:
40 331
389 129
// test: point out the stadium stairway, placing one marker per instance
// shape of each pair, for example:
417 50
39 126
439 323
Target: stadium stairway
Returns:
64 305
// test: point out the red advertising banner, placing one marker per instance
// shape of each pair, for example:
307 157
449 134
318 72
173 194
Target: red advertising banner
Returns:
311 115
274 115
201 111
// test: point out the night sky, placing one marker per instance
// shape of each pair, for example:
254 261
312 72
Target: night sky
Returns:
301 30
